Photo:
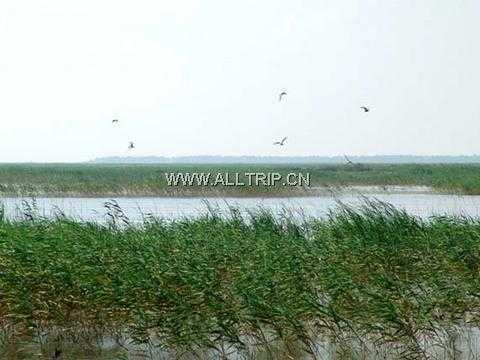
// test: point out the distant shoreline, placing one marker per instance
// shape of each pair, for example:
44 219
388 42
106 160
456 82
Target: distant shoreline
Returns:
288 160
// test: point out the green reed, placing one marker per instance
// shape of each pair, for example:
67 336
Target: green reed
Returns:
374 274
149 180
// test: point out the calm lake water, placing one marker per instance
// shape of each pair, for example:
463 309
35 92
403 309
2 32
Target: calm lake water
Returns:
423 205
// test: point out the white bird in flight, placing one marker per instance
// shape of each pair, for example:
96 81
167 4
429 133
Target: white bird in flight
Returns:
282 94
280 143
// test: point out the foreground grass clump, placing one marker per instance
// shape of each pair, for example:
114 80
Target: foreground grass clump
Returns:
361 281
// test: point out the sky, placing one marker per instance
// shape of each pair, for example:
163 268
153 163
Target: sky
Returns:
193 77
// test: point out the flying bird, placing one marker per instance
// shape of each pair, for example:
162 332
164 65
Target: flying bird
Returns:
282 94
349 162
114 121
280 143
365 109
130 145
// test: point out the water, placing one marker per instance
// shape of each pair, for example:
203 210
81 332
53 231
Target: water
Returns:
93 209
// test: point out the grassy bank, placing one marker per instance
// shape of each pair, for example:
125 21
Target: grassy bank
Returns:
264 288
149 180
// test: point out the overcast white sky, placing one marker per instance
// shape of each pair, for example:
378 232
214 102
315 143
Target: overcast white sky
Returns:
202 77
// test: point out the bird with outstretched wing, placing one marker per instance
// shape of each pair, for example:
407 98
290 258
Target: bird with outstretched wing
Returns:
280 143
349 162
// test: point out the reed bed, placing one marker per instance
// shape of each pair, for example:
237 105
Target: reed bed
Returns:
368 282
149 180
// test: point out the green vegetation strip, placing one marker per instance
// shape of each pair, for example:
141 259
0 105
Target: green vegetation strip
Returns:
374 274
149 180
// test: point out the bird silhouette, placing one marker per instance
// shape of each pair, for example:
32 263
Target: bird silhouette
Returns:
282 94
365 109
280 143
349 162
114 121
131 145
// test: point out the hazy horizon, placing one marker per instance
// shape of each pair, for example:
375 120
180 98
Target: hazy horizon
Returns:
203 77
269 159
285 159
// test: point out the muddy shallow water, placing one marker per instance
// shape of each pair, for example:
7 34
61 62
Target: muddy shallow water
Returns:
459 343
